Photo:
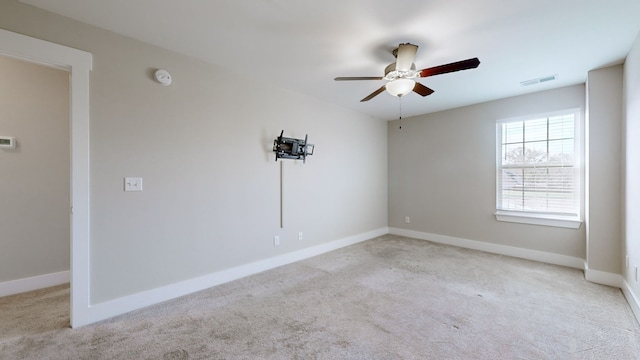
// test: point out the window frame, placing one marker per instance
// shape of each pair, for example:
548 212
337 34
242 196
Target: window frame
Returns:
572 221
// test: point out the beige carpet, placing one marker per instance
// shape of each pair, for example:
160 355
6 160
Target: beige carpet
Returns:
387 298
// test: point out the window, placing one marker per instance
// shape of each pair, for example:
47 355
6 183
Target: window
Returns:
538 172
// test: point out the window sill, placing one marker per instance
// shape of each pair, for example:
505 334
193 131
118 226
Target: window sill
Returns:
570 222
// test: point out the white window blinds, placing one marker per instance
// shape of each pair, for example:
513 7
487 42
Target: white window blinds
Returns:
537 167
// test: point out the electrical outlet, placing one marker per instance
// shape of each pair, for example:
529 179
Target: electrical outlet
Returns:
276 240
407 219
300 235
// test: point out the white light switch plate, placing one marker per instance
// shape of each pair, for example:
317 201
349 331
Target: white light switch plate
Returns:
132 184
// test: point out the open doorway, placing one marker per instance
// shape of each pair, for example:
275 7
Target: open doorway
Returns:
35 177
78 64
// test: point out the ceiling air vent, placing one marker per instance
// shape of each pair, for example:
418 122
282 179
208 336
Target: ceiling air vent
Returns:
539 80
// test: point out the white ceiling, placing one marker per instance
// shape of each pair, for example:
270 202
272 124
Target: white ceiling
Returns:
302 45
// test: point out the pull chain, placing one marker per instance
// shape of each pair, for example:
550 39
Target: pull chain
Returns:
400 111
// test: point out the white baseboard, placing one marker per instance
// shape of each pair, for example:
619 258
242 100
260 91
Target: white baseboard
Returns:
632 299
143 299
13 287
528 254
603 278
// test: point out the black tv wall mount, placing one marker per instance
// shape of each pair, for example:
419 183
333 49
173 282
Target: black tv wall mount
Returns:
290 148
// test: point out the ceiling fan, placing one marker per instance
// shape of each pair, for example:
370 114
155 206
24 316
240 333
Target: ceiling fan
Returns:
400 75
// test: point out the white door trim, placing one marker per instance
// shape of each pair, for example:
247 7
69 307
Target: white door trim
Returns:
79 64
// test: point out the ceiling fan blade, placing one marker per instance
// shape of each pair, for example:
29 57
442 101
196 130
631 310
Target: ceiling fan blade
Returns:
447 68
422 90
406 56
343 78
373 94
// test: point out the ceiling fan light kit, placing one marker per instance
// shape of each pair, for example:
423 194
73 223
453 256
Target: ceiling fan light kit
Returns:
400 75
400 87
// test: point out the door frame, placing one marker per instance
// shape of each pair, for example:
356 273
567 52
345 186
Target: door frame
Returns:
79 64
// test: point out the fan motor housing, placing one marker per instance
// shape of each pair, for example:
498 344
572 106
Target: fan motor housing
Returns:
390 72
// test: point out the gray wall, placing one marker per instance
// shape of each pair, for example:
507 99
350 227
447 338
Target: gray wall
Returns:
34 178
631 245
203 147
604 174
442 174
